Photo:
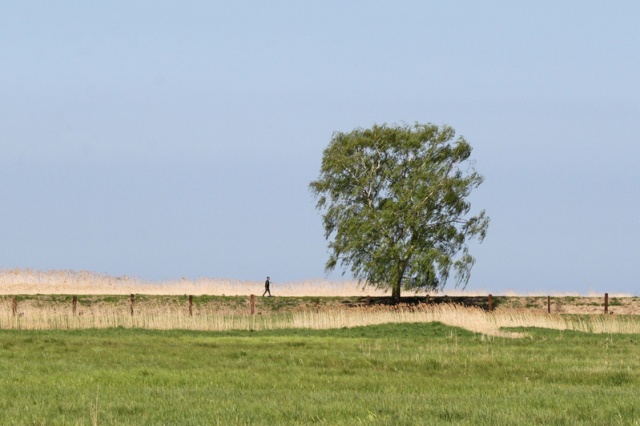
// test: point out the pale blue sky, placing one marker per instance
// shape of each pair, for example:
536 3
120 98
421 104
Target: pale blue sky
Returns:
177 139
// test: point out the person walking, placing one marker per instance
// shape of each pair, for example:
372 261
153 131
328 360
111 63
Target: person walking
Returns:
266 287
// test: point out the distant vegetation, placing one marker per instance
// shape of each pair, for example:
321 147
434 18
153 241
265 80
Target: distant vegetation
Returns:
29 281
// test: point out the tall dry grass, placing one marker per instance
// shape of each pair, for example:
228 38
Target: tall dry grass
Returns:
165 317
28 281
471 318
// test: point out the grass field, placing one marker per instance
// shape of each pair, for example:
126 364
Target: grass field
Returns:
329 355
384 374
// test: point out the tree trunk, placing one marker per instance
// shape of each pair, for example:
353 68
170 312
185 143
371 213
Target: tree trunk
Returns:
395 289
395 292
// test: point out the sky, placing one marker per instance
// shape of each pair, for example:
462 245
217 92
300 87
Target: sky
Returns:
167 139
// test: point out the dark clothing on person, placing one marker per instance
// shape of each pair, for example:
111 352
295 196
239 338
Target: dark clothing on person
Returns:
266 288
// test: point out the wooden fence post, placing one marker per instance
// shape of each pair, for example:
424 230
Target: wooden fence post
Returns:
190 305
74 304
490 303
14 306
548 304
253 304
133 301
606 303
368 300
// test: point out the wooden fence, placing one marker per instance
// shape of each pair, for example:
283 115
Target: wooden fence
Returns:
252 304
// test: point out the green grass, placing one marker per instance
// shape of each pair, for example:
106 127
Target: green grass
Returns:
388 374
532 302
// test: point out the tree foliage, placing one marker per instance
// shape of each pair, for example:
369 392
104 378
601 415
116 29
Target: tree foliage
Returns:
395 205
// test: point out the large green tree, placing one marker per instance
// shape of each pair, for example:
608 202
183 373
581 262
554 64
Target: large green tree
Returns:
395 205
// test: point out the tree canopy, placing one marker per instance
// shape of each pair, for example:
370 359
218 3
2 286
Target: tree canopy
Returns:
395 205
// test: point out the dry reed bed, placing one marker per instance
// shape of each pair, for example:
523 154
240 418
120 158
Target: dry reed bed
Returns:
28 281
166 318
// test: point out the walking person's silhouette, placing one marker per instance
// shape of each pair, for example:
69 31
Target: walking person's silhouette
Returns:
266 287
